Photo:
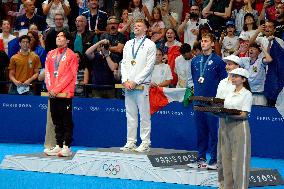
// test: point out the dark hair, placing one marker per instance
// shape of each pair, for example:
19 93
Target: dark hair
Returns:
131 5
246 84
35 36
185 48
255 45
159 49
254 26
66 34
176 34
24 37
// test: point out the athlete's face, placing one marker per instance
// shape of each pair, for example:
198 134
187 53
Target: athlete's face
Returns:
206 43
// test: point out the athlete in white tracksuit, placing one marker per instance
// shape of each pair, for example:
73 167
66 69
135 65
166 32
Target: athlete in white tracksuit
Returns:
139 55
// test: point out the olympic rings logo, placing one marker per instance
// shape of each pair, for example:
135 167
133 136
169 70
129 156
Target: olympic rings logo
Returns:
111 169
43 106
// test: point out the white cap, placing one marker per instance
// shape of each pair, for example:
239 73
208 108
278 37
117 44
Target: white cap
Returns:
244 36
240 71
233 58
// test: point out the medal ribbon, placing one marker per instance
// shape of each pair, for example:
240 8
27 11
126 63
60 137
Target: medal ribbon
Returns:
202 69
134 54
56 61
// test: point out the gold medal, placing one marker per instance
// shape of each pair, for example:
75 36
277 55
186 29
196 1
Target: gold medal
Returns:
133 62
201 80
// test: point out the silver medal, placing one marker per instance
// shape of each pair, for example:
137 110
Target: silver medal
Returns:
201 80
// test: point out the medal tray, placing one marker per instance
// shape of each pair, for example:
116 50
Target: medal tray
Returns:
217 110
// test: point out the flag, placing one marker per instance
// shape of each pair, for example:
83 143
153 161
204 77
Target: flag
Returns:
280 103
162 96
275 74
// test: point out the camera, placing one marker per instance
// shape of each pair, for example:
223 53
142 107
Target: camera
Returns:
193 15
106 46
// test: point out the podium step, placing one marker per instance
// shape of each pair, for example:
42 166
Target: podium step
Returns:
159 165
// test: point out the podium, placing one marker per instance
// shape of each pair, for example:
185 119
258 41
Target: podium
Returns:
159 165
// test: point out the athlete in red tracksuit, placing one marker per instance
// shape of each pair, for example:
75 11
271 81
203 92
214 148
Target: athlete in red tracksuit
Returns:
60 76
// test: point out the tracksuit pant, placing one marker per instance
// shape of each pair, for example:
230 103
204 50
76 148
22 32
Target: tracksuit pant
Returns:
137 101
207 128
61 113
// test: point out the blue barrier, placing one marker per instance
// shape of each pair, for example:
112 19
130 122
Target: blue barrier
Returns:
102 123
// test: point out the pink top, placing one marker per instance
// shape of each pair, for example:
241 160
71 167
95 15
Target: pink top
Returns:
67 72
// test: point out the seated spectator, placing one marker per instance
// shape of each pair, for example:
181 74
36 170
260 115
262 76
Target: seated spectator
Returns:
97 19
82 76
124 26
52 7
190 25
36 48
239 15
116 39
183 67
138 11
250 26
161 75
23 68
171 48
157 26
6 35
83 38
50 36
169 18
256 65
229 41
23 22
103 63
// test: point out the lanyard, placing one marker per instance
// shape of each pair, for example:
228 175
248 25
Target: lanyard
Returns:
89 20
202 70
56 61
134 54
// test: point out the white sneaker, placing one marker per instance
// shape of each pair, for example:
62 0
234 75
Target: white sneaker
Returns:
52 151
65 152
129 146
212 167
144 147
201 164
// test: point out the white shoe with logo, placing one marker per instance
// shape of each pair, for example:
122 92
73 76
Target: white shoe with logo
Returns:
65 152
129 146
144 147
53 151
212 167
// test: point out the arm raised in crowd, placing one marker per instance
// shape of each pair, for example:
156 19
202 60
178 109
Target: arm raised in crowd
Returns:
90 51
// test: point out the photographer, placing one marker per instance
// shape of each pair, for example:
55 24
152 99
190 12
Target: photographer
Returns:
190 25
103 65
115 38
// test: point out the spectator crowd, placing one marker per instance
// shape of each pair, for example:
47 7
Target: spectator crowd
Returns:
249 29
